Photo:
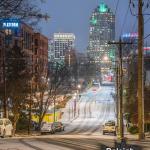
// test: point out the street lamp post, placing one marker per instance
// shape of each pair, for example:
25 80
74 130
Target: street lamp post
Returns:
78 94
74 98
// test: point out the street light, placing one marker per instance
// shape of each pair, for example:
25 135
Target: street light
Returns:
105 58
78 93
79 86
74 98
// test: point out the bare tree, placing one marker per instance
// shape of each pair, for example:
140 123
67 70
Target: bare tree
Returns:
48 88
22 9
28 11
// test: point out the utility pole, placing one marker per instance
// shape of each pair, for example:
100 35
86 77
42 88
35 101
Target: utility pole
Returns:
120 90
117 89
140 72
121 125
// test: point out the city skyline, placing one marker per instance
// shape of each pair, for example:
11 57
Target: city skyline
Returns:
73 17
92 93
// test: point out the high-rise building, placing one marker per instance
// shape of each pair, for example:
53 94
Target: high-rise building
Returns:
62 43
102 30
51 52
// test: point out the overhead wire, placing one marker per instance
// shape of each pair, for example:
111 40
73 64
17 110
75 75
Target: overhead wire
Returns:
148 3
134 28
148 19
130 2
117 4
146 36
125 18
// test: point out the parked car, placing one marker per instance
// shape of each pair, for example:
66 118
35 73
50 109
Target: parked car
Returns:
58 126
47 128
109 127
6 128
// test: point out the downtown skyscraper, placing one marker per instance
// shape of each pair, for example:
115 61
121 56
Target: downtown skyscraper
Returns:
101 31
62 42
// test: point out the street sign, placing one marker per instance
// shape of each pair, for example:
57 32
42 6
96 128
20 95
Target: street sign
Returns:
9 23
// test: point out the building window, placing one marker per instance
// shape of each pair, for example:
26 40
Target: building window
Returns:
16 42
36 50
56 55
36 42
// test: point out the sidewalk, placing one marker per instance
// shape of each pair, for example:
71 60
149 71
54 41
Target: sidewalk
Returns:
135 136
133 140
25 134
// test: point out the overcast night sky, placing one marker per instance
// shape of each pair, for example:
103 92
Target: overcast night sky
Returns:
73 16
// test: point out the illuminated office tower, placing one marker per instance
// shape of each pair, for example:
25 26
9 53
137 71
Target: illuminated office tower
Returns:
101 31
62 43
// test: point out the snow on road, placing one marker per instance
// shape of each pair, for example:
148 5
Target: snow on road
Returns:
87 114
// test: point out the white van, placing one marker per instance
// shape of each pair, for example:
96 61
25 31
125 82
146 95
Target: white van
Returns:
6 127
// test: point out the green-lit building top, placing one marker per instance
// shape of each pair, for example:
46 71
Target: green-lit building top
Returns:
101 30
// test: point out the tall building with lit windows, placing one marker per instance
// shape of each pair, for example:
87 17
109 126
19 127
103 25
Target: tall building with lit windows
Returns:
62 43
101 30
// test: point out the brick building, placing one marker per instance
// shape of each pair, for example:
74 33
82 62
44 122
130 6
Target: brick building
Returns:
41 54
34 45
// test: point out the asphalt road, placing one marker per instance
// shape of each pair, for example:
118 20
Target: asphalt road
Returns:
54 142
87 114
67 142
83 119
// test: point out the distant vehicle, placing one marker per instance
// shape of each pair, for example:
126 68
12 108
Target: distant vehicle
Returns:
6 128
58 126
109 127
108 78
95 86
47 128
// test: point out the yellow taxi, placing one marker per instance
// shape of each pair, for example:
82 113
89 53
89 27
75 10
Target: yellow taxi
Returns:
109 127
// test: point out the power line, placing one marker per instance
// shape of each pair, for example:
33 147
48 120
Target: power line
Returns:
147 20
125 18
116 7
147 5
131 8
146 36
133 27
136 15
